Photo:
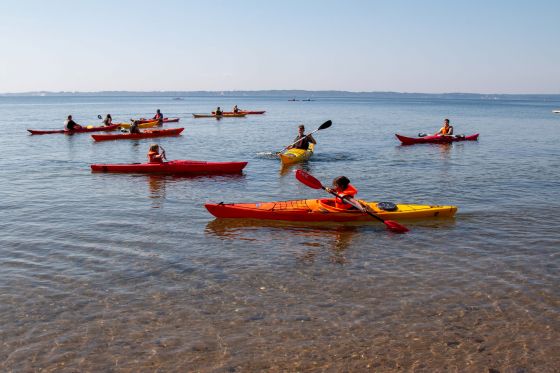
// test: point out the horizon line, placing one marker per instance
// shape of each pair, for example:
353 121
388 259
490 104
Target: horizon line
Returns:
285 91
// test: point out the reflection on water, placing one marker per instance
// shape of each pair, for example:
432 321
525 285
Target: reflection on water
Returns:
337 238
289 169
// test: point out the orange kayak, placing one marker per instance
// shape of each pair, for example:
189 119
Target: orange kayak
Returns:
324 210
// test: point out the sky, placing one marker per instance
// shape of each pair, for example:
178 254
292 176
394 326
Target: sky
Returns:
430 46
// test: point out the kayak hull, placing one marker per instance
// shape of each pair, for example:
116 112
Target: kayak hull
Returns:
173 167
292 156
148 134
435 139
219 116
248 112
165 120
112 127
322 210
147 124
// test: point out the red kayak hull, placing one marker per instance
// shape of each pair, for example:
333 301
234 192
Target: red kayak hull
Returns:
147 134
80 130
165 120
243 112
173 167
434 139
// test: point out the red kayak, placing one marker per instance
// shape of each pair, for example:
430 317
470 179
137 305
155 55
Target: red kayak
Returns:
242 112
173 167
147 134
165 120
79 130
435 139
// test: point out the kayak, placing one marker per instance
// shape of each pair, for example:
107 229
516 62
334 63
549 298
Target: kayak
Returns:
224 115
165 120
112 127
249 112
556 111
322 210
435 139
292 156
148 134
146 124
173 167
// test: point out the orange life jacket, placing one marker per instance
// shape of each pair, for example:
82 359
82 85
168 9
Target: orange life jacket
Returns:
350 191
154 157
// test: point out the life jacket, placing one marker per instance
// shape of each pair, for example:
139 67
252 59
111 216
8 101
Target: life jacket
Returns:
154 157
303 142
350 191
445 131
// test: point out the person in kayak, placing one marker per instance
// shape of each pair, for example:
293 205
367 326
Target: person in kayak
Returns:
71 125
134 127
302 139
235 109
108 120
446 130
342 187
159 117
153 154
219 111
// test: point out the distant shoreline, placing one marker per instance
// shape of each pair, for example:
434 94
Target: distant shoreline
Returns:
289 94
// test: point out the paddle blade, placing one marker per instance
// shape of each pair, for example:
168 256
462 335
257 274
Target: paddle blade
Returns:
327 124
99 116
308 180
393 226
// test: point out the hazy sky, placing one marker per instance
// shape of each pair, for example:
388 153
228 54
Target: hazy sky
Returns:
391 45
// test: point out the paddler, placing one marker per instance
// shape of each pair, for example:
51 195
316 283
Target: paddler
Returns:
446 130
134 127
218 111
108 120
159 117
302 139
153 154
71 125
235 109
341 186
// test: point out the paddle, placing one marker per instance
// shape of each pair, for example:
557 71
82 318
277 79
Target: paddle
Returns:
327 124
163 153
312 182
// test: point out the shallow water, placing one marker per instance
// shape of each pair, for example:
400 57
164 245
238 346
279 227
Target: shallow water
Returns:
103 272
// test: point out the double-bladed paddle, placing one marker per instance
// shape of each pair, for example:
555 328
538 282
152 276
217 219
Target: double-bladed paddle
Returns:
327 124
312 182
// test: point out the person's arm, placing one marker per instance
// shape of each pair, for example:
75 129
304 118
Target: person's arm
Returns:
311 139
450 131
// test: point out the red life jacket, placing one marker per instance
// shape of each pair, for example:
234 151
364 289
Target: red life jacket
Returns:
350 191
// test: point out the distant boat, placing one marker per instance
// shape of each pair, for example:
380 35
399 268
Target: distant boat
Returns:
293 99
308 99
556 111
178 99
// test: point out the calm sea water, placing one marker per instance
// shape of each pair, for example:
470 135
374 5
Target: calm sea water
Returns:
104 272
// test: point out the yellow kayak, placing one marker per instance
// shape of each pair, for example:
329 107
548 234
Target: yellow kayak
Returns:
153 123
320 210
292 156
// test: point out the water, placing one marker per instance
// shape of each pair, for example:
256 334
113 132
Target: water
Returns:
104 272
